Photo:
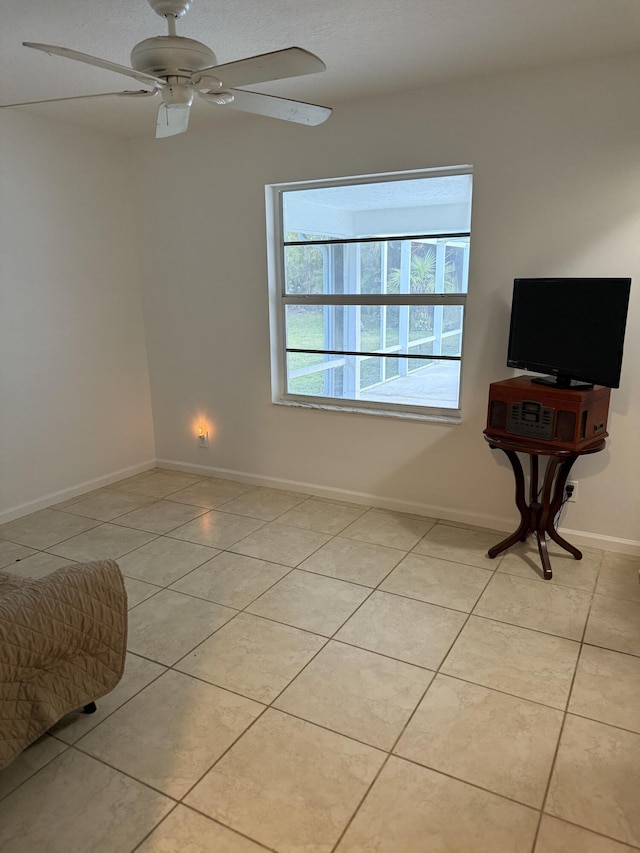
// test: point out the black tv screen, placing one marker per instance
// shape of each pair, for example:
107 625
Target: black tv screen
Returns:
569 328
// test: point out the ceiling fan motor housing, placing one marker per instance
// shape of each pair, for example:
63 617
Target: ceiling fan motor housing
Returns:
171 56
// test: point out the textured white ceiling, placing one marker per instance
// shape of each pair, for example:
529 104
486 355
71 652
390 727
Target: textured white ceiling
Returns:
370 46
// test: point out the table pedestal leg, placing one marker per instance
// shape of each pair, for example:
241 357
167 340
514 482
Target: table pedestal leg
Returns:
525 513
538 517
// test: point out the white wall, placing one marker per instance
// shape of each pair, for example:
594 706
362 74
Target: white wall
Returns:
74 389
557 192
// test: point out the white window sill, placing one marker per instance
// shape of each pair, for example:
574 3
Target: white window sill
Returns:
431 416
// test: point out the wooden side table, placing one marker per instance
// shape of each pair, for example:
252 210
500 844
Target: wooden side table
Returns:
537 516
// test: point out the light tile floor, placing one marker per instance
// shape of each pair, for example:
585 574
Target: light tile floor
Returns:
308 676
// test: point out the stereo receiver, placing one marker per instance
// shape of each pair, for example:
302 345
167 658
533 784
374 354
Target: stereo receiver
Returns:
565 418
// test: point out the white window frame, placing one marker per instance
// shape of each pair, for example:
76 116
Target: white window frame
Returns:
278 301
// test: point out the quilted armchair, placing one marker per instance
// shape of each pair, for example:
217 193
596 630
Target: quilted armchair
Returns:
63 641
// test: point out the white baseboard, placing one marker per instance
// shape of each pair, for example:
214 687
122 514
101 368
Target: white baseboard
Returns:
584 539
73 491
581 538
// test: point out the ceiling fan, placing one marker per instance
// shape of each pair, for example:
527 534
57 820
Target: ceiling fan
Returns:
178 68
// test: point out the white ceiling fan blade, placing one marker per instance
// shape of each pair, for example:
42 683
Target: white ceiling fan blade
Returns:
290 62
52 50
137 94
172 120
268 105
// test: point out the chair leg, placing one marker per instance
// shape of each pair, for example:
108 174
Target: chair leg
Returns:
90 708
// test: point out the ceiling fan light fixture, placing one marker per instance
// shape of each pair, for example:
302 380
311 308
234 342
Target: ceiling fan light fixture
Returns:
207 83
221 98
177 93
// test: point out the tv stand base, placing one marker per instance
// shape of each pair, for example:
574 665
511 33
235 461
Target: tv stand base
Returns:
569 384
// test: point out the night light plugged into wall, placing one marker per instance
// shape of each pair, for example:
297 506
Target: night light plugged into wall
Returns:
203 436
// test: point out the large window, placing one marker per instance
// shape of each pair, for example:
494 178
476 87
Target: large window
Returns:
368 287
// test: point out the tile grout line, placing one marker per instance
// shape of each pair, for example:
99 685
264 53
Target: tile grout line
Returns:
270 706
242 610
565 714
153 828
111 713
333 638
218 822
37 770
395 743
439 672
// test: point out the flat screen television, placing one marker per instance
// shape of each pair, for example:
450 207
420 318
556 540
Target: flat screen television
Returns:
571 329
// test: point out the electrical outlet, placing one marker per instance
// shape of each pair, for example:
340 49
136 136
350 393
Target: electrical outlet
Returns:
571 491
203 439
